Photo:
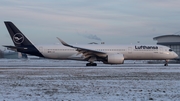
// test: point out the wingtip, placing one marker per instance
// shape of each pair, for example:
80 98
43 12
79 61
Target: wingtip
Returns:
64 43
60 40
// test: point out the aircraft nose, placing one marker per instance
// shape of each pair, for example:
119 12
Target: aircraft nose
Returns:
175 55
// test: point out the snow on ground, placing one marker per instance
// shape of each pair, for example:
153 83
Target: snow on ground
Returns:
57 80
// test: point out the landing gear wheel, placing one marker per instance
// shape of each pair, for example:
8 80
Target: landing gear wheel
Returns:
91 64
88 64
166 64
94 64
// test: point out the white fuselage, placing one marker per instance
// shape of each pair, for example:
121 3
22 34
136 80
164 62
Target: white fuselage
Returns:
130 52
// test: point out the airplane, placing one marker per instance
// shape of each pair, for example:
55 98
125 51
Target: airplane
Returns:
108 54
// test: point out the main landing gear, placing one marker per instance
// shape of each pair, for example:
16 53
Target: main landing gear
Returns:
91 64
166 63
91 60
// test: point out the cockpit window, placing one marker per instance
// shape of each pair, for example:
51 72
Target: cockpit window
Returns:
170 50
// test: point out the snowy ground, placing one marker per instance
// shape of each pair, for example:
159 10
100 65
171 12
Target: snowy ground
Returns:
55 80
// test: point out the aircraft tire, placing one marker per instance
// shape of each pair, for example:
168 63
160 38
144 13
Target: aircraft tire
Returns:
91 64
165 64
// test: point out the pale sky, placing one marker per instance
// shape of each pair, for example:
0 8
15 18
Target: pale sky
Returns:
85 21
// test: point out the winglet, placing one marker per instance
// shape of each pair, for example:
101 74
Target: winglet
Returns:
64 43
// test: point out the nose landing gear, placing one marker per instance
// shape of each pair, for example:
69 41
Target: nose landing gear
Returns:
166 63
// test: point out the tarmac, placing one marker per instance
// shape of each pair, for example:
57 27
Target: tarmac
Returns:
58 80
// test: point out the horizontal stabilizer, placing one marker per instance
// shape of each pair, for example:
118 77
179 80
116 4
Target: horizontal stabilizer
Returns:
14 47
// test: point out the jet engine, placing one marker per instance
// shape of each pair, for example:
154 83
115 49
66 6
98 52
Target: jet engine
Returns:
115 59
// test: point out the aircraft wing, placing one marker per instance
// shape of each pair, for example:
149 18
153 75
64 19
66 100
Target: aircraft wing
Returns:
86 52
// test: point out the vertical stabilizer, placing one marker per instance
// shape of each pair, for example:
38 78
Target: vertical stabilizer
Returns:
22 44
17 36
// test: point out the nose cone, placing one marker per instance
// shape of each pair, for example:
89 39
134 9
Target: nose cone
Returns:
175 55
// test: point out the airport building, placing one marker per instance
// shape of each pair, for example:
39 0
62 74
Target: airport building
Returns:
7 54
172 41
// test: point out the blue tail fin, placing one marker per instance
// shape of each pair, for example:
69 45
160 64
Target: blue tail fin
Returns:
22 44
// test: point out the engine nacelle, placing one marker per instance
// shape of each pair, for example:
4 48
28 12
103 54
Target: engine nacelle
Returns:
115 59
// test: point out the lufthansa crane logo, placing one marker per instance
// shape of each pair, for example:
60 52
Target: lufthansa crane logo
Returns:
18 38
